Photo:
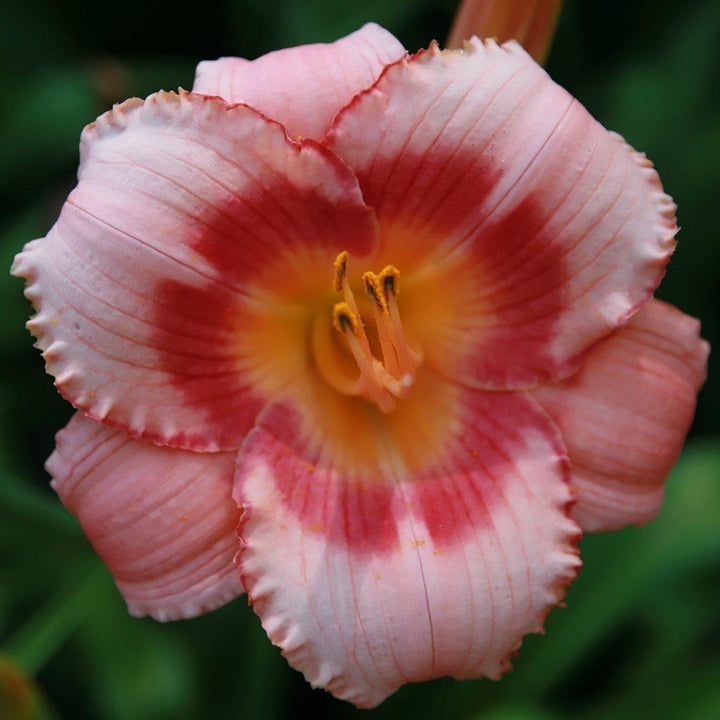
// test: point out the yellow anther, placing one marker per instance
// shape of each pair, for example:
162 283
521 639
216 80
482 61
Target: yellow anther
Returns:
372 288
340 271
344 318
379 381
389 280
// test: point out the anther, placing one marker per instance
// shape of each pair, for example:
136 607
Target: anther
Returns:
373 291
389 280
340 271
344 318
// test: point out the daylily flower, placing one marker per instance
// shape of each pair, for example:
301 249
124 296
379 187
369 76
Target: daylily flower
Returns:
407 326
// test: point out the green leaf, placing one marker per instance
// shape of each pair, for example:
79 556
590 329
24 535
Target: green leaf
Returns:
134 668
515 711
39 639
40 131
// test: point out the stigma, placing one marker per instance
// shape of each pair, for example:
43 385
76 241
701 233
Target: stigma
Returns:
381 380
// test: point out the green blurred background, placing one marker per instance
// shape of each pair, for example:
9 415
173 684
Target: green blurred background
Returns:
641 635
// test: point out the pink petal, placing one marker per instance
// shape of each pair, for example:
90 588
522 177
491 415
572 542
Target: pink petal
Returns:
163 520
546 230
303 87
625 415
186 214
530 22
367 583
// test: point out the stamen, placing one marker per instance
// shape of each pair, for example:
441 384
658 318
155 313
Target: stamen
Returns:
377 382
408 359
341 284
371 380
380 311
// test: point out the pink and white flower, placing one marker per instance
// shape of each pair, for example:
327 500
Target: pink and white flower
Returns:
390 314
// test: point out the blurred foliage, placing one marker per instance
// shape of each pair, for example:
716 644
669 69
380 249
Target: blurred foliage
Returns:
641 634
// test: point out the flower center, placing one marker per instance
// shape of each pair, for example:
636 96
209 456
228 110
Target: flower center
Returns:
379 381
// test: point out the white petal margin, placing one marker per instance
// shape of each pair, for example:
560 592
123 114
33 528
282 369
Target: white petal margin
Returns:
162 519
367 586
625 415
303 87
